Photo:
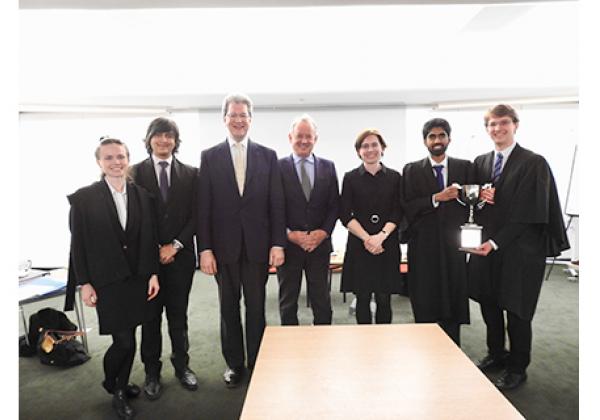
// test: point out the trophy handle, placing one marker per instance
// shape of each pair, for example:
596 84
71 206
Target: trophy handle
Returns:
458 186
482 203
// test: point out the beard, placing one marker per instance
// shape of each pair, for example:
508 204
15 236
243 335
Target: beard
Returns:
438 151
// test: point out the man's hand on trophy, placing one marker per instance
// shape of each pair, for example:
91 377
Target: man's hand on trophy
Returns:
484 249
447 194
487 194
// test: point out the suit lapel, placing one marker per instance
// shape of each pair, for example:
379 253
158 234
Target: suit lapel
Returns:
225 162
291 176
251 163
487 166
175 181
149 174
111 210
432 184
317 164
132 210
512 160
453 170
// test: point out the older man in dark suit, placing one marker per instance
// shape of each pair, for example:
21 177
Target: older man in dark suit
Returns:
522 225
173 186
311 203
241 230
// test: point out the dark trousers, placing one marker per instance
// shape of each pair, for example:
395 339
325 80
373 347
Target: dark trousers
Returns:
519 335
175 284
452 330
118 360
251 278
289 275
383 314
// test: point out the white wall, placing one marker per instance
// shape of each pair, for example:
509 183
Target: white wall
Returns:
57 157
57 153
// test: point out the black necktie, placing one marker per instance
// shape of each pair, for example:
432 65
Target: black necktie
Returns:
497 167
439 176
163 180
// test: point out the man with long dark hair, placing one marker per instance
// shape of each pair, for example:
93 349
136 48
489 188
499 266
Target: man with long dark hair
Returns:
173 186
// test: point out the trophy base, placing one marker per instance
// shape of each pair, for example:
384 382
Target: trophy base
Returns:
467 249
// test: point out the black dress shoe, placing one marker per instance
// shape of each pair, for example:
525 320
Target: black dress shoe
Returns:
510 380
188 379
132 391
491 362
233 376
121 405
152 387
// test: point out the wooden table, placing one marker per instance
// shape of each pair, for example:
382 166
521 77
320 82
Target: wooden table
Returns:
401 371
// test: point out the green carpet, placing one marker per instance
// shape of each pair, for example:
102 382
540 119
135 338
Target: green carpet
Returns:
551 391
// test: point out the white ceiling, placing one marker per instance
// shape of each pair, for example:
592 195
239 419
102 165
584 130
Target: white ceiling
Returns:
295 56
165 4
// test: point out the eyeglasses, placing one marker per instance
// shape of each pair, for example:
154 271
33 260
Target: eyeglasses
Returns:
502 123
240 116
433 136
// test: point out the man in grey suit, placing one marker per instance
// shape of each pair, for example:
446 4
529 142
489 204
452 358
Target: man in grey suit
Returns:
241 230
311 192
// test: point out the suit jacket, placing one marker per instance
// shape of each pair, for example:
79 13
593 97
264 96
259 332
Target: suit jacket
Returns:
99 250
320 211
527 224
225 218
176 218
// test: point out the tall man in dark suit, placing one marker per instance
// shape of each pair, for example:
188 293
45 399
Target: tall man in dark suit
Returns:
241 230
311 202
173 186
437 277
522 225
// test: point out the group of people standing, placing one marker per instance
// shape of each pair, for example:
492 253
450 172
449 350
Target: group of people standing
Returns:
133 252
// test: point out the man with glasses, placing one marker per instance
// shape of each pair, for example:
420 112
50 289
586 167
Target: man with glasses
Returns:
173 186
241 231
522 225
437 275
311 203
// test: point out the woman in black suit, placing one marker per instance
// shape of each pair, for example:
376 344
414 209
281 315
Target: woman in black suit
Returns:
114 258
370 210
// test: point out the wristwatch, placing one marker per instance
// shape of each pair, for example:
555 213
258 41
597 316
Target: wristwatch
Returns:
177 245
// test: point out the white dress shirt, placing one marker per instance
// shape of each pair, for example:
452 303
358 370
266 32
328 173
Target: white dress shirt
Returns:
120 199
157 168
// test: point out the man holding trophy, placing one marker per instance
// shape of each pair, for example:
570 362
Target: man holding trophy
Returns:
437 277
522 225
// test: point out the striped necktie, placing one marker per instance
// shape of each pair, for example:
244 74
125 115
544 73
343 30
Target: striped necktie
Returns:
497 167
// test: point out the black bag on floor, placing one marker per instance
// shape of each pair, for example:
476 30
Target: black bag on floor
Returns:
48 319
61 348
53 336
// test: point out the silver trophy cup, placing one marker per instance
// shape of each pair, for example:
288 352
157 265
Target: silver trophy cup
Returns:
470 232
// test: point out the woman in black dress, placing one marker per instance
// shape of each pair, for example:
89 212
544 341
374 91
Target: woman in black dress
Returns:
114 258
370 210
